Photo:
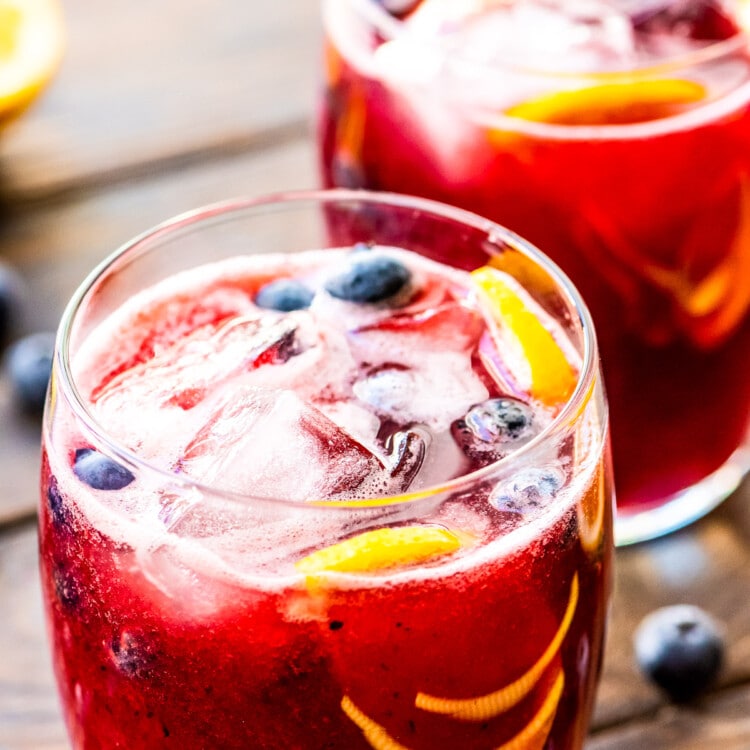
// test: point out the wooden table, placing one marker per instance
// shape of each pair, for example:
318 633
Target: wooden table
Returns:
161 107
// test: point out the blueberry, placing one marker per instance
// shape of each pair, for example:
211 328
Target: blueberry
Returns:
681 649
399 7
100 472
489 428
284 295
133 653
499 419
57 508
67 590
12 296
28 363
370 277
528 490
346 174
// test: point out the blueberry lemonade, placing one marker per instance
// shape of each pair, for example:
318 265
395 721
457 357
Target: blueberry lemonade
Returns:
615 135
306 486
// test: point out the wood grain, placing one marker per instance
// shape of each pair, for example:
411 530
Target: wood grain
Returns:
147 84
705 565
160 108
29 711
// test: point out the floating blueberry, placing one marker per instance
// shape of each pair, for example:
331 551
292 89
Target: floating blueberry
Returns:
284 295
399 7
370 277
67 590
133 653
99 471
499 419
347 174
528 491
28 363
57 508
681 649
488 427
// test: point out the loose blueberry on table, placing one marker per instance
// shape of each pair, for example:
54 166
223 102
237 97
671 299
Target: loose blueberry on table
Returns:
681 649
28 363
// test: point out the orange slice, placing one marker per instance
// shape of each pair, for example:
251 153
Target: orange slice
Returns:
375 734
535 733
489 706
591 512
381 549
31 44
614 103
541 367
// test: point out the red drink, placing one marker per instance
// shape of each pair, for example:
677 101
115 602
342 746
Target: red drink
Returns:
628 165
347 511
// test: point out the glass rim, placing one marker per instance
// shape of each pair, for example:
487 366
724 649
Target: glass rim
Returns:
497 234
390 27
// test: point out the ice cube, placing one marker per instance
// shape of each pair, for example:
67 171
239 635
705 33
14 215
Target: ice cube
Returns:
434 389
146 406
553 35
407 451
272 444
432 354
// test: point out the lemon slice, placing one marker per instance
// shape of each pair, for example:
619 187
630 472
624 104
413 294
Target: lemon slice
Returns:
591 512
31 45
373 732
614 103
534 735
550 376
381 549
484 707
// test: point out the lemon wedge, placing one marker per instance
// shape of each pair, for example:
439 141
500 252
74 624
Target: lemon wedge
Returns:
381 549
552 377
31 45
534 735
374 733
613 103
484 707
591 512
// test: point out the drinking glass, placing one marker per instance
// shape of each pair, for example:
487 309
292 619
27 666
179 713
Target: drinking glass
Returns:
614 135
179 612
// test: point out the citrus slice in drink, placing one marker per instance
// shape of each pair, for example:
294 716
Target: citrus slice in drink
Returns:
591 512
484 707
612 103
374 733
534 735
540 366
31 44
381 549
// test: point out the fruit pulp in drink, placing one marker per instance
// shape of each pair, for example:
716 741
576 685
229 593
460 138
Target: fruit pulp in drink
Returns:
636 183
291 605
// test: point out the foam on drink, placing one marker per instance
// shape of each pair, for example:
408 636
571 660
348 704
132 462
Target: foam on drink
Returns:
305 426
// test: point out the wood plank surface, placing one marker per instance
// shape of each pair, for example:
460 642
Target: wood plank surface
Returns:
705 565
160 108
145 84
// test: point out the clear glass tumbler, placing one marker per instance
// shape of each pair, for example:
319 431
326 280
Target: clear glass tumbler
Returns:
225 563
614 135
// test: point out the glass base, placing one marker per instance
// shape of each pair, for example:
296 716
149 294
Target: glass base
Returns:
684 507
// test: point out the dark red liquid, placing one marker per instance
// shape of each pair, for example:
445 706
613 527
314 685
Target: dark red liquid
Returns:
654 231
137 669
155 648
